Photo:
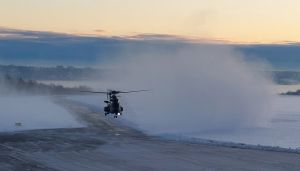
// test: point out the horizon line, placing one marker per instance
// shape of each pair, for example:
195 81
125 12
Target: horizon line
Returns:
147 36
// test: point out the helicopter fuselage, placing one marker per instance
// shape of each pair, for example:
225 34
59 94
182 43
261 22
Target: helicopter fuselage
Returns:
112 103
113 106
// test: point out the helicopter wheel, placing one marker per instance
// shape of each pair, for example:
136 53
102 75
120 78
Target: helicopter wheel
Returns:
115 116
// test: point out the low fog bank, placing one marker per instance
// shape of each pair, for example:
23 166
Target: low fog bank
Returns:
25 112
193 89
33 112
27 104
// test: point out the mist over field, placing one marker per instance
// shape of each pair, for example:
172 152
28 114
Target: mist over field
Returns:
26 105
33 112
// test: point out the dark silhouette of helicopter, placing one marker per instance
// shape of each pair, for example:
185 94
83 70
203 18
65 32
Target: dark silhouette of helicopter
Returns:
112 103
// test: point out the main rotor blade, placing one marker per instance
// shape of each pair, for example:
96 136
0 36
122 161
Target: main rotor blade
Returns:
100 92
134 91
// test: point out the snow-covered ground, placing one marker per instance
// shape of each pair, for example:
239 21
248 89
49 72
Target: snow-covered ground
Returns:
109 145
283 129
285 88
33 112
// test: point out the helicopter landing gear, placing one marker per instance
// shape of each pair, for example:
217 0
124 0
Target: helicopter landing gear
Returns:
115 116
106 110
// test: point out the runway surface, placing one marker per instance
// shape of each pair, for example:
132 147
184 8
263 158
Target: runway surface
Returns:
108 145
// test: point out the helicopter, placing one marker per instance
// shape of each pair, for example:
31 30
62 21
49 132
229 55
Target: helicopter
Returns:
112 103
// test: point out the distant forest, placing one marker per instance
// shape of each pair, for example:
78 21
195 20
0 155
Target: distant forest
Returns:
71 73
10 86
286 77
50 73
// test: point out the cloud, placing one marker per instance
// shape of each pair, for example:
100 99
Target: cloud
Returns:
99 31
151 36
28 34
282 56
27 47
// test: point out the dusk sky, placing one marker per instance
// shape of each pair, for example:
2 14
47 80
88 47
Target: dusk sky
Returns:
243 21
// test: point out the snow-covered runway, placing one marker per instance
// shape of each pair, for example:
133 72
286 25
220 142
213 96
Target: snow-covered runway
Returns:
108 145
282 129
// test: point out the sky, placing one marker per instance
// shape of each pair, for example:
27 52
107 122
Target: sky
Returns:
23 47
243 21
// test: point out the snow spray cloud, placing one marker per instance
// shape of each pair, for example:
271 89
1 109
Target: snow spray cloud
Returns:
193 89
